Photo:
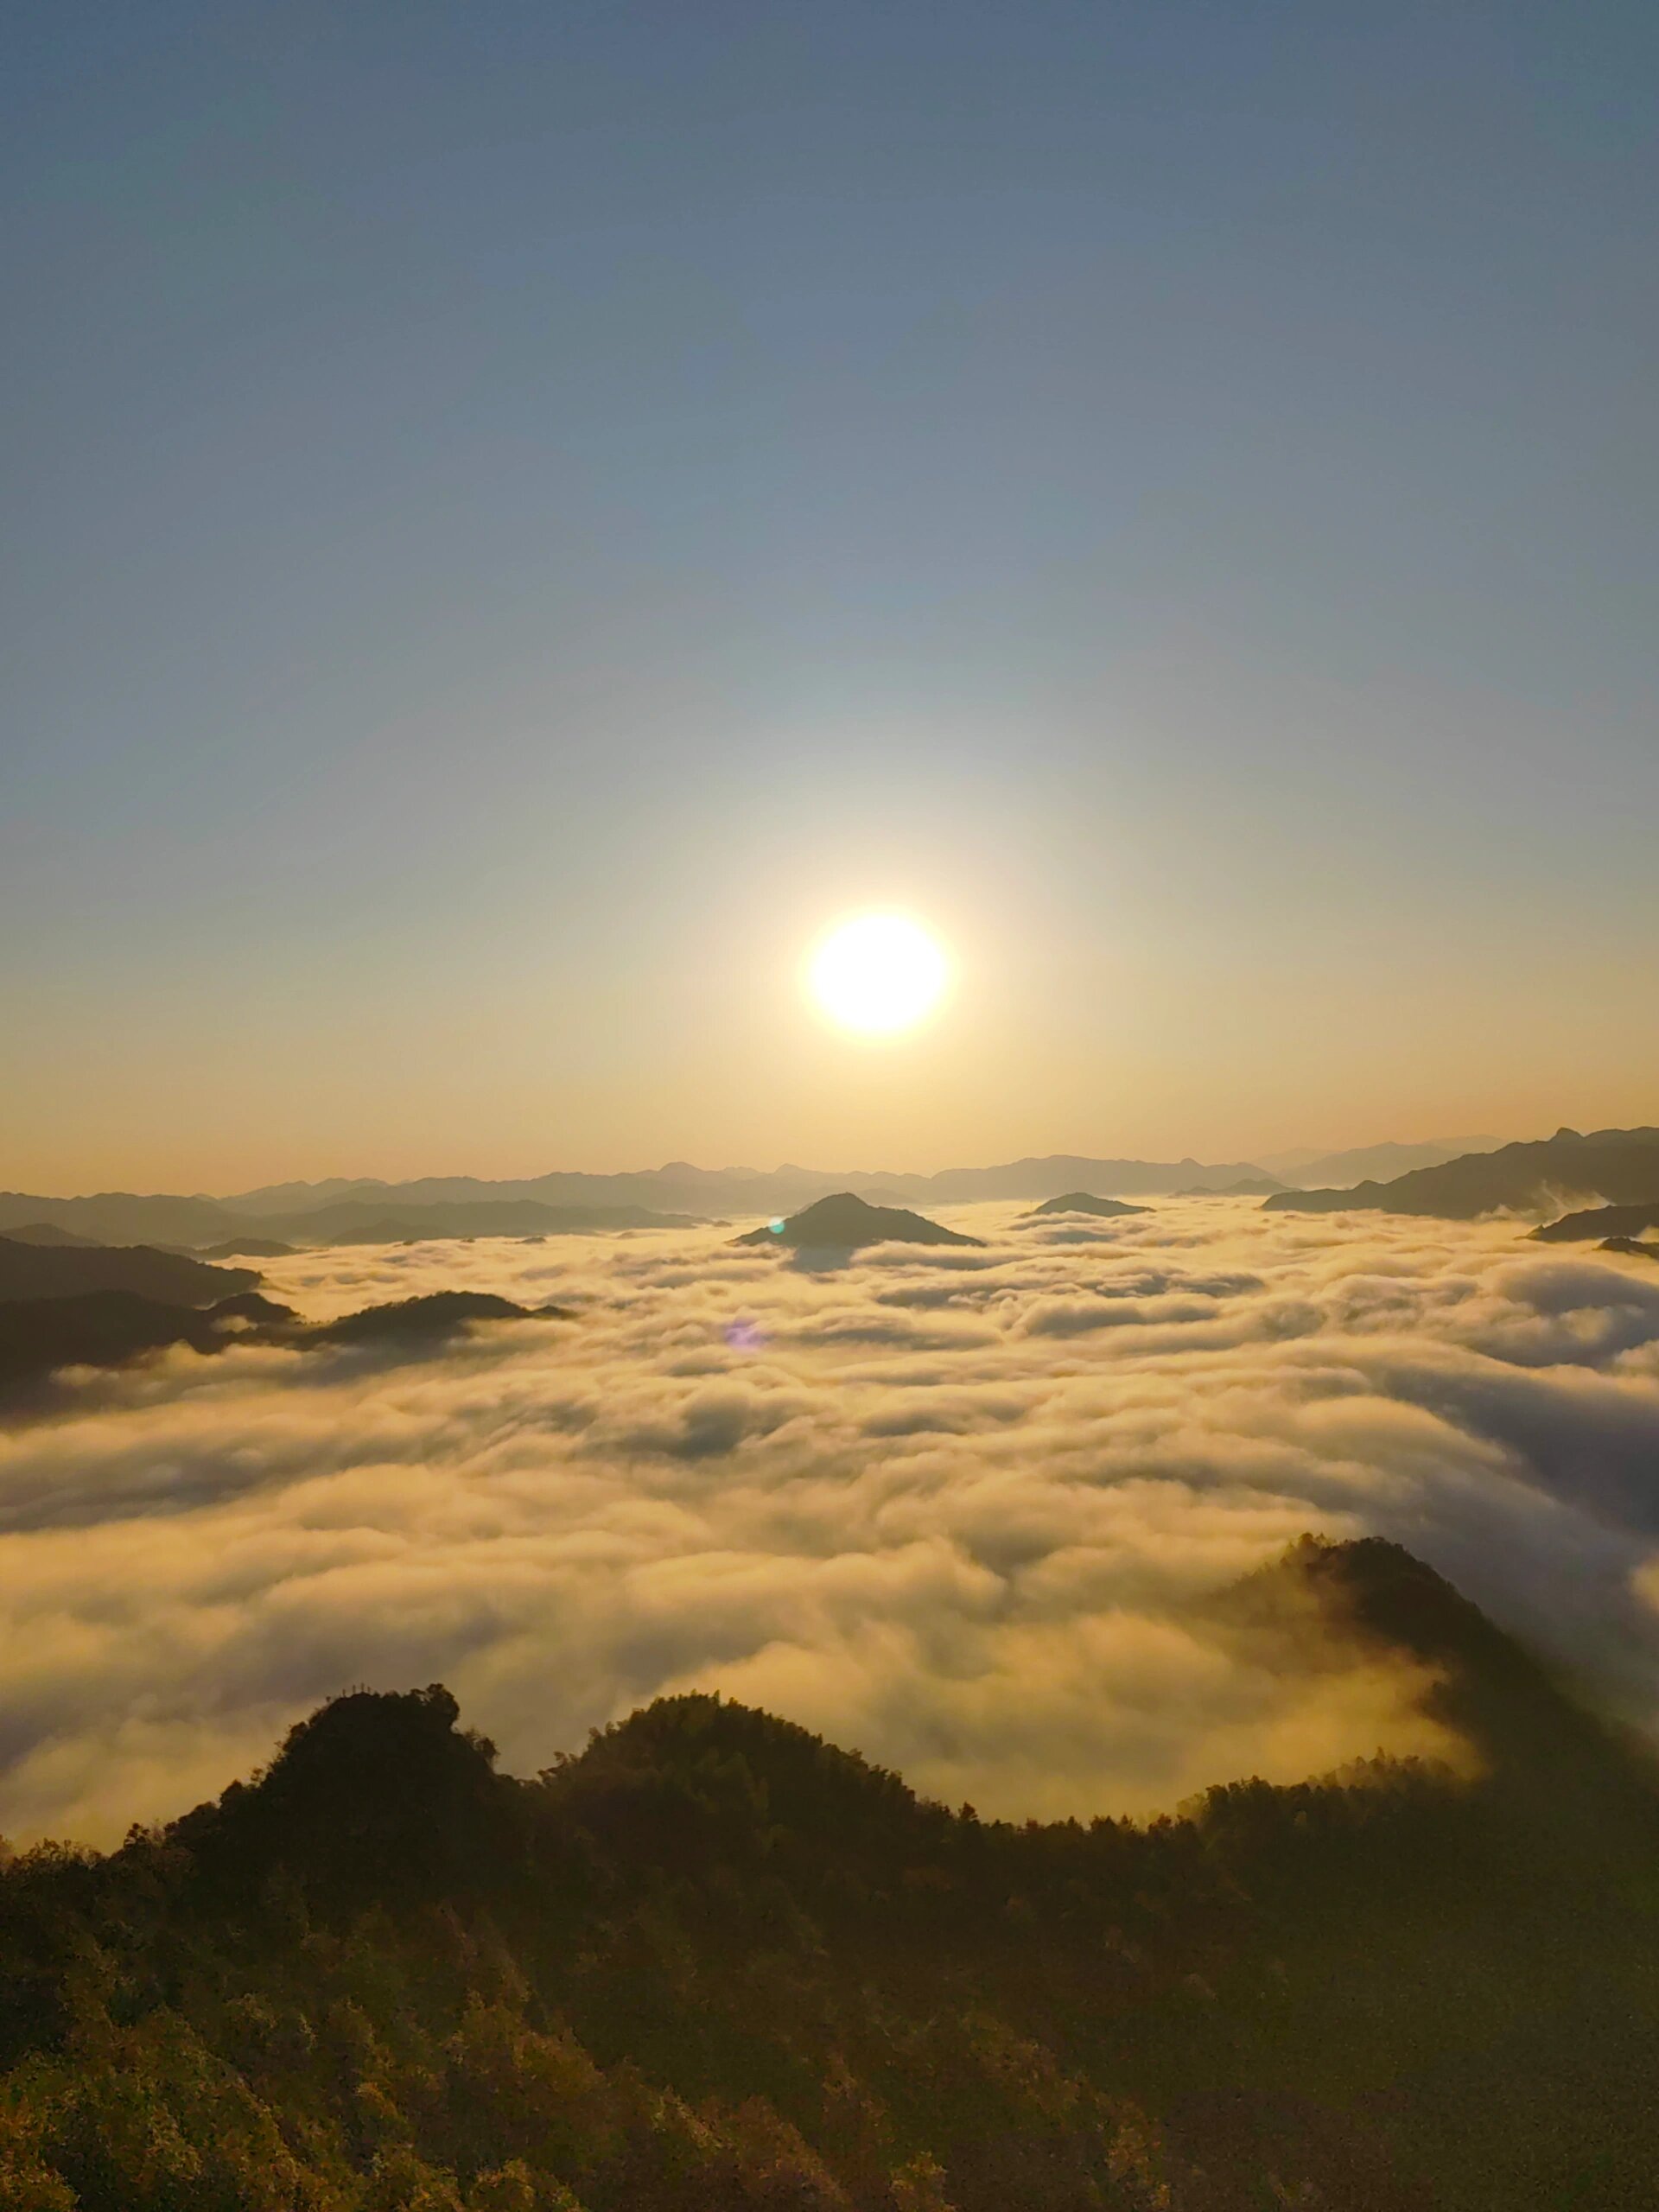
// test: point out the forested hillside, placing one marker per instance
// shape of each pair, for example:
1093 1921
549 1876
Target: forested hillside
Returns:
714 1962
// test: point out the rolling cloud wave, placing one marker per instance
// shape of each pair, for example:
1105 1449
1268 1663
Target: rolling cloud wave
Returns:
961 1508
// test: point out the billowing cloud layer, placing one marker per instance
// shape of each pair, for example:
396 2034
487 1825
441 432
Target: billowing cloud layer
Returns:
958 1508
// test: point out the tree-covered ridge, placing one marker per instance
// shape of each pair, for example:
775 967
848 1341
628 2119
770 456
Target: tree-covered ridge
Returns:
714 1962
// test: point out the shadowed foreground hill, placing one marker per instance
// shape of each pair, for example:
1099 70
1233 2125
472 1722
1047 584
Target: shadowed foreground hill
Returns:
713 1962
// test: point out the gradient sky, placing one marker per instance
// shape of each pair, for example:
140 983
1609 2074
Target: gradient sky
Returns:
517 514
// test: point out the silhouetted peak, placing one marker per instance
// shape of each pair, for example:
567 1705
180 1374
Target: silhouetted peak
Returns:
1085 1202
843 1221
253 1306
1619 1166
698 1725
1600 1224
439 1315
1486 1685
377 1795
697 1766
47 1232
385 1744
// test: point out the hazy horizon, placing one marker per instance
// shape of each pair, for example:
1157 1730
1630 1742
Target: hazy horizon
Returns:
872 1168
523 520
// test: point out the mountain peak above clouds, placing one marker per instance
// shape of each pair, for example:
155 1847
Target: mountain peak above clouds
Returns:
845 1222
1085 1202
1615 1166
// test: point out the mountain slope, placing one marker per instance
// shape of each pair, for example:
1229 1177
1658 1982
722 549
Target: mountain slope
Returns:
1085 1202
1619 1166
844 1223
713 1963
105 1328
680 1187
69 1270
122 1218
439 1314
1596 1222
1380 1163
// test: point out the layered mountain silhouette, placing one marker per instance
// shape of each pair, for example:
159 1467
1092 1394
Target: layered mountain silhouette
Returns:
342 1208
1248 1186
843 1222
1378 1163
204 1226
440 1313
122 1217
681 1188
105 1328
364 1209
29 1270
1620 1167
1629 1245
714 1963
357 1221
1595 1224
1085 1202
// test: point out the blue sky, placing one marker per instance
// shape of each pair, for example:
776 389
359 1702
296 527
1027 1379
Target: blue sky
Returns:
518 514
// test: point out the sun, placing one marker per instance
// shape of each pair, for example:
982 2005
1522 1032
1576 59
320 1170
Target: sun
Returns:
878 973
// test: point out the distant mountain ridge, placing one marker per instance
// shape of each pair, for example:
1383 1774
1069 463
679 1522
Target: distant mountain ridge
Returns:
681 1188
341 1208
1597 1223
1617 1166
1248 1186
118 1218
30 1271
366 1221
1378 1163
123 1216
39 1337
641 1198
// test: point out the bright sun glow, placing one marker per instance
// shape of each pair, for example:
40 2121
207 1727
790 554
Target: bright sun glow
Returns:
878 973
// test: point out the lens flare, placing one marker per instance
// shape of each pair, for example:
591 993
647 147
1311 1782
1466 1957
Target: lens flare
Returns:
878 973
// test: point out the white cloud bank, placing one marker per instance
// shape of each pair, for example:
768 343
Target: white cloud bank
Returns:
953 1507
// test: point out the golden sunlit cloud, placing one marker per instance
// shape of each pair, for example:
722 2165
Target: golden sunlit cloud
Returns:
878 973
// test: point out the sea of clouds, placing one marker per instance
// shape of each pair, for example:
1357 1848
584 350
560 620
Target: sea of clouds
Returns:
964 1510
